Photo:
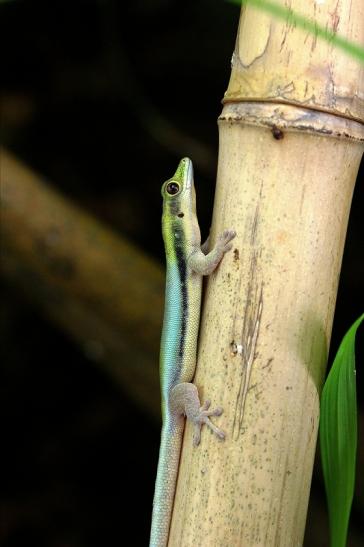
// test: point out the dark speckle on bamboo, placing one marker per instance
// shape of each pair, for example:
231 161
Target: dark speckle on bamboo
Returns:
277 133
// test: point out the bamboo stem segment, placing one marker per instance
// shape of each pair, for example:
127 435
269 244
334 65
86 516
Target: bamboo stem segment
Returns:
286 175
276 61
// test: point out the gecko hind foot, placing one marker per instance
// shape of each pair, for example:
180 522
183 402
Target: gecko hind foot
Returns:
184 400
203 418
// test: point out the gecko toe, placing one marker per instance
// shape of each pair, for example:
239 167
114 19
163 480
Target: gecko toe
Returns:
206 405
221 435
197 435
217 411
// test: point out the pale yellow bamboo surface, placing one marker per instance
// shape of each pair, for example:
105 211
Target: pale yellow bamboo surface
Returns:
286 174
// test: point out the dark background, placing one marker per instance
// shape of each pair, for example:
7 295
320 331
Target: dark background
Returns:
104 98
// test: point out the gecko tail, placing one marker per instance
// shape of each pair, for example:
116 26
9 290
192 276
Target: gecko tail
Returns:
165 484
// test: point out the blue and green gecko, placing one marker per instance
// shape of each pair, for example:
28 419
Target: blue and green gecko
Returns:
187 261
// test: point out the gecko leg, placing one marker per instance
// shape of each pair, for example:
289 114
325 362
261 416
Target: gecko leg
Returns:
205 245
184 400
205 264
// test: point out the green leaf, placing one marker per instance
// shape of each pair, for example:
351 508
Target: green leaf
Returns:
338 436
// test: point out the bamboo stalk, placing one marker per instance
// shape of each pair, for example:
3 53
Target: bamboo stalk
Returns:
286 172
91 282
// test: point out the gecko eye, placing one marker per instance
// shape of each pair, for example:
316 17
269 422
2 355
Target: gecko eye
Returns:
172 188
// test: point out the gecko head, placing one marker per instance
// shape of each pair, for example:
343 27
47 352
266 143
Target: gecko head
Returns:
178 192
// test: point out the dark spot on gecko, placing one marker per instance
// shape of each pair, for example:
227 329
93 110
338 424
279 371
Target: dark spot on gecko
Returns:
277 133
236 254
181 215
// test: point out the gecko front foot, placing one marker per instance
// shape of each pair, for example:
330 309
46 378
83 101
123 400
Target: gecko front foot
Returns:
224 240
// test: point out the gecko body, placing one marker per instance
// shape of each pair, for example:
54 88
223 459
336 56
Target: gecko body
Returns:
187 261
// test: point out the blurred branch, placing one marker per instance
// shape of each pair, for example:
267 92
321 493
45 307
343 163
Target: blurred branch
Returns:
93 283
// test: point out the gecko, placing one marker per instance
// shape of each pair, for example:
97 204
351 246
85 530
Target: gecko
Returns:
187 261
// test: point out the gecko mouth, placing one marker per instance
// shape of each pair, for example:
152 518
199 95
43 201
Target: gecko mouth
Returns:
189 174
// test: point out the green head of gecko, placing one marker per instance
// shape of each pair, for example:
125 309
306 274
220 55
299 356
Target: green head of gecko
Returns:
182 180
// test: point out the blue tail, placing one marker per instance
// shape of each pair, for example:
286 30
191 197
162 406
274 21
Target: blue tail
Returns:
165 484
